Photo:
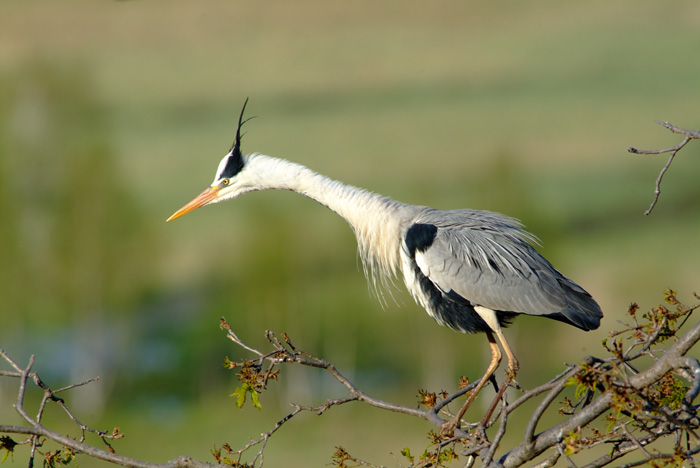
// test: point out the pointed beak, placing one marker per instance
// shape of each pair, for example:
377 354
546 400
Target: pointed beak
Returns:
202 199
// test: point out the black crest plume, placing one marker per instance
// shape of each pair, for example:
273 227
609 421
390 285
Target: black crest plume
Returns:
235 162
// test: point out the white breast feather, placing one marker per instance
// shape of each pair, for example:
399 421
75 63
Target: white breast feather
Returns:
412 284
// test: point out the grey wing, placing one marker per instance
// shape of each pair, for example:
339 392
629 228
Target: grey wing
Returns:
496 267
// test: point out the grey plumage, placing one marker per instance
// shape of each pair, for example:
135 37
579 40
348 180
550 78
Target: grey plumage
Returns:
487 259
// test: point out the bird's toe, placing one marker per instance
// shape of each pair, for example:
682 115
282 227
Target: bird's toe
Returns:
447 430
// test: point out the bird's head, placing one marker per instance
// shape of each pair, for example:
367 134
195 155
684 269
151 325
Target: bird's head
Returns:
228 182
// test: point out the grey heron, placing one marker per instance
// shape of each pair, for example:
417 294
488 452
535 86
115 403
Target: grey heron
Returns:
471 270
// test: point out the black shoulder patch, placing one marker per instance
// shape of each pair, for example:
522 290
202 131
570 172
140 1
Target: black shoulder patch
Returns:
420 237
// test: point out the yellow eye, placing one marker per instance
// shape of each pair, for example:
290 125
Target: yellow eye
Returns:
224 182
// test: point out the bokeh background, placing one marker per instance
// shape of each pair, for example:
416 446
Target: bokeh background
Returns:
114 114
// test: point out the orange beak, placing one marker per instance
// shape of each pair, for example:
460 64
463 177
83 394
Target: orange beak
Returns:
200 200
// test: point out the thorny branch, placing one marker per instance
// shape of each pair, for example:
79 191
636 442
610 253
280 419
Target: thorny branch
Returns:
689 135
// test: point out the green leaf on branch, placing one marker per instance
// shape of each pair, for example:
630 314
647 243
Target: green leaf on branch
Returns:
240 395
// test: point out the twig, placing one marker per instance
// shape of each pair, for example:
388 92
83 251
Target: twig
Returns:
233 337
501 432
36 429
282 354
658 456
264 438
542 388
634 440
539 411
341 455
620 450
566 457
549 462
689 135
288 353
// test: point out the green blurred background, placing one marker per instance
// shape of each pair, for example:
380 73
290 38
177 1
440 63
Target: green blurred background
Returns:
114 114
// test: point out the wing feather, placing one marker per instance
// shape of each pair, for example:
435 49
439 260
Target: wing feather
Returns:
489 260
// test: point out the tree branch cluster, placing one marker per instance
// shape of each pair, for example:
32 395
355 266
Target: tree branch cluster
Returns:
640 407
610 402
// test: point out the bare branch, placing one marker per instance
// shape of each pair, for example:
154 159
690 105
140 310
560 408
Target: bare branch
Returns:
539 411
341 456
292 355
36 429
542 388
695 134
499 435
689 135
233 337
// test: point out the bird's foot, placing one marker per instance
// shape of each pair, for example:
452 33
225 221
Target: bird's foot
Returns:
511 372
452 429
447 430
456 428
513 384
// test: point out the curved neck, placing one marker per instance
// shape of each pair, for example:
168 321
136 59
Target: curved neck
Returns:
376 220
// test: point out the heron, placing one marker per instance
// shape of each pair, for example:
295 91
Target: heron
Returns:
471 270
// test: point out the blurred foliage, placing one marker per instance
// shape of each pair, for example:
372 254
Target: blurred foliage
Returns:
75 241
77 254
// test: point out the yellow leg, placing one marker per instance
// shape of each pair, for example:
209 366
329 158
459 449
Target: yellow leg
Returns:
448 428
513 364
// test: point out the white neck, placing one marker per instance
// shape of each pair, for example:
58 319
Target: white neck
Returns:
376 220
